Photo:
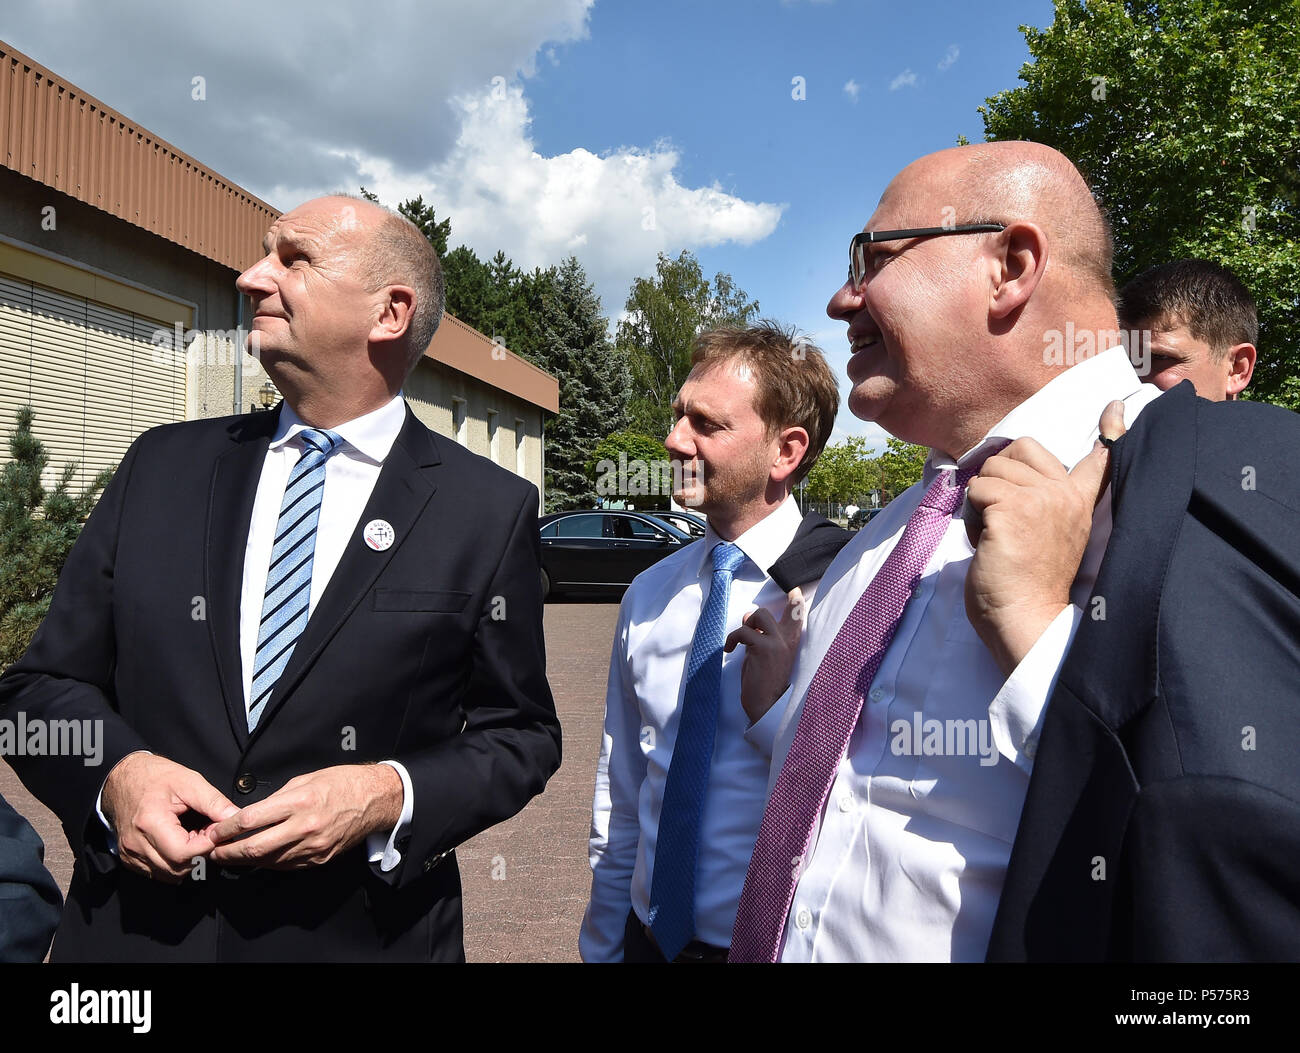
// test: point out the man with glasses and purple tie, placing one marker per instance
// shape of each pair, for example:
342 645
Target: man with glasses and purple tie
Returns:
905 737
316 675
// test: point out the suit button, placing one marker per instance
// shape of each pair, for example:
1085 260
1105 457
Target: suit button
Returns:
246 783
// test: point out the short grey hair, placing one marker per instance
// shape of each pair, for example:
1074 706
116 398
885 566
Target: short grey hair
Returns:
397 253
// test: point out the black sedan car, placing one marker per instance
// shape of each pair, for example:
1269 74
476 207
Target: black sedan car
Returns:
862 517
596 551
686 522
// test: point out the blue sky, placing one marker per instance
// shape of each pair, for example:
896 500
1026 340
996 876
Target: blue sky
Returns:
609 129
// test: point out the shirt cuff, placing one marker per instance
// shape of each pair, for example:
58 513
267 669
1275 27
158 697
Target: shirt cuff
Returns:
384 852
762 733
1016 714
108 827
99 808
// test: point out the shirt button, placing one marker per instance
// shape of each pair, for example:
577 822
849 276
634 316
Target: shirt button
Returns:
877 693
804 918
846 801
1029 749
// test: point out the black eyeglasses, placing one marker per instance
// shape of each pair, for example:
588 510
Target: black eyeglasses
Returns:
858 250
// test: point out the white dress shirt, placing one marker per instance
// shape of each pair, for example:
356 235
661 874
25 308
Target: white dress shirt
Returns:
916 834
351 472
656 626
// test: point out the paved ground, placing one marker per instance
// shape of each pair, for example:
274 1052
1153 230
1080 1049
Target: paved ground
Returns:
525 881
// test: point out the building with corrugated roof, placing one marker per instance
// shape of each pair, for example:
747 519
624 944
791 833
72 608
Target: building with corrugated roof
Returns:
118 307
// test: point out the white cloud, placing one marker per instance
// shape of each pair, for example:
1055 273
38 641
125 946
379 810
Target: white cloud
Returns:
847 425
906 79
851 89
405 97
614 211
294 95
949 57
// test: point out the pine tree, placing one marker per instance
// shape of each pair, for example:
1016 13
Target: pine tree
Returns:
594 380
426 219
469 287
37 531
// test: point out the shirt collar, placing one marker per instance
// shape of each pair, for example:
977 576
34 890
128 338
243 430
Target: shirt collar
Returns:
371 435
1062 415
762 543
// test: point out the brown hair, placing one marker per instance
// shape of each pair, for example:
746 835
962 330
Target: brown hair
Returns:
1205 296
397 253
796 388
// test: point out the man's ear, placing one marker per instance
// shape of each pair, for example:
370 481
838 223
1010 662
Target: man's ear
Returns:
1241 367
396 311
792 444
1019 259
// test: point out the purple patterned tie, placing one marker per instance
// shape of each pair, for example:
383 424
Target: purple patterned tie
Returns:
830 712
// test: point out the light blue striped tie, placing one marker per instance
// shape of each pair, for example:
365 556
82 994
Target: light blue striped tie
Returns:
672 888
288 580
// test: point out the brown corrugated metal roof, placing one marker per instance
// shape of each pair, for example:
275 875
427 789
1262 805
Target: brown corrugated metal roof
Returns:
53 132
464 348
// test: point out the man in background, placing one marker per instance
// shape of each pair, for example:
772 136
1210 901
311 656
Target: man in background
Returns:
1202 325
679 789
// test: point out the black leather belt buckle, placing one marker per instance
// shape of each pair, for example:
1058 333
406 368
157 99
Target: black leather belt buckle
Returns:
696 953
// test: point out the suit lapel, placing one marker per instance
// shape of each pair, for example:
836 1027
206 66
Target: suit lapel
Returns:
1152 461
235 476
403 489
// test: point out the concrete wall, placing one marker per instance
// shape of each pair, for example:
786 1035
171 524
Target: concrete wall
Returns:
92 238
431 391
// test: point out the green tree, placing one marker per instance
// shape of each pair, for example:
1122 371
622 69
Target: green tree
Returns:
1185 117
469 286
899 466
572 342
494 297
647 474
665 314
553 319
507 318
423 216
37 531
843 472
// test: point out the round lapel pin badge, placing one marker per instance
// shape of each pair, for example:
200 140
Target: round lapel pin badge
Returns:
379 534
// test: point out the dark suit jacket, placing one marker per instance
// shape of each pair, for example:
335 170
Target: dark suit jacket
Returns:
430 653
812 549
1162 820
29 898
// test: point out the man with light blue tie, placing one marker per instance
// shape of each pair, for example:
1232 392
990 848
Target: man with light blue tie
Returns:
316 675
679 789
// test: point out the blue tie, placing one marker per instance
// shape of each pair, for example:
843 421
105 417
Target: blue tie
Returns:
288 580
672 890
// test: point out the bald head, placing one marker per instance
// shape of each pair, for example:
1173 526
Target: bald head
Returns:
393 251
950 333
1007 181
